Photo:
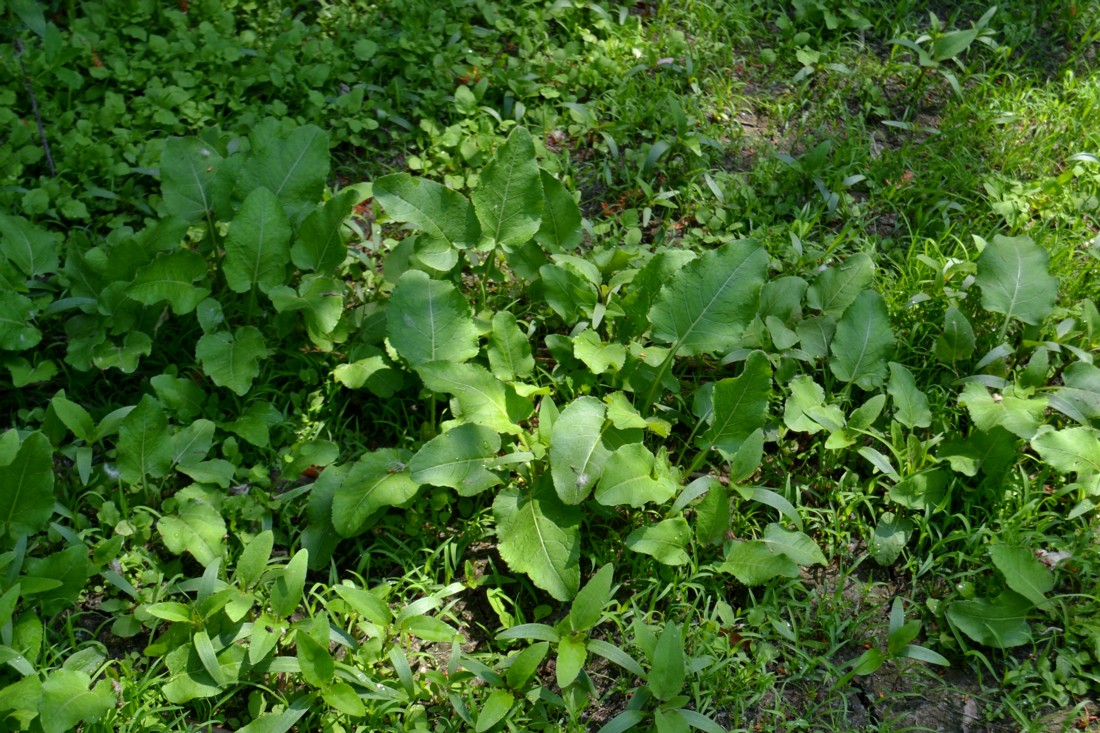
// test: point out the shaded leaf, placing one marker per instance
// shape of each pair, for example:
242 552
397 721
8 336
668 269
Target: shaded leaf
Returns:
911 403
836 288
232 360
561 217
376 481
863 342
740 406
1000 623
257 247
144 445
27 497
665 541
320 242
508 199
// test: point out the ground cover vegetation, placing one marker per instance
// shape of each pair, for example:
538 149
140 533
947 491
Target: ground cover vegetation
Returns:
549 366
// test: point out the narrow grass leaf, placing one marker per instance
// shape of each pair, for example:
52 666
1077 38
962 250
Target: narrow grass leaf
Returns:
614 654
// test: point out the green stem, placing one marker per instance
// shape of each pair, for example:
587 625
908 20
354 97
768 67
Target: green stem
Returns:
660 376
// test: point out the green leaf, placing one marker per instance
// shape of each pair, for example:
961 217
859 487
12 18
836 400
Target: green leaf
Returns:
956 343
709 302
740 406
624 721
923 491
458 459
280 722
643 290
1079 398
373 372
1075 450
208 657
197 527
577 450
376 481
31 249
257 248
144 446
572 654
953 43
539 536
188 172
1023 572
590 601
561 217
911 403
753 563
1000 623
863 342
627 478
442 214
1013 276
287 590
479 397
795 545
614 654
1018 415
16 331
294 168
74 417
191 444
344 698
317 664
320 242
597 355
524 665
567 292
508 199
815 334
320 299
27 498
232 360
170 277
170 611
69 699
664 541
253 560
508 349
668 670
836 288
806 394
494 710
366 604
429 320
890 537
30 12
712 514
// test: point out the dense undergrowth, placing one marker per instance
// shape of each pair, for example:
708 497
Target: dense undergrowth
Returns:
549 366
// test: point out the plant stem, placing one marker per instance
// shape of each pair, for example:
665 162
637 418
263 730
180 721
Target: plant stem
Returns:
19 48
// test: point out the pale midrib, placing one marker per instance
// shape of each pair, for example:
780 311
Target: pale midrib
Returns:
294 166
706 309
543 543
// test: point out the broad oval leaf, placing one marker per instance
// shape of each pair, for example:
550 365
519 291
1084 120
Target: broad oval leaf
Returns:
508 349
740 406
144 446
287 590
27 498
711 300
188 171
376 481
627 478
539 536
458 459
863 342
294 168
441 213
911 403
561 217
429 320
320 242
1023 572
753 563
1073 450
479 397
1013 276
1000 623
836 288
577 450
257 248
30 248
508 199
16 314
668 671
